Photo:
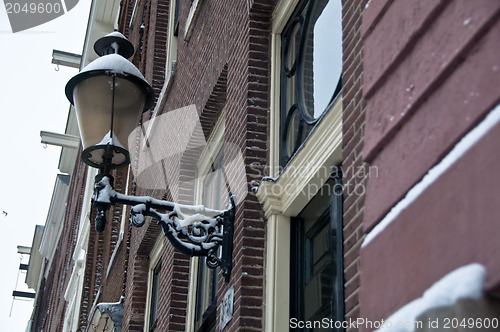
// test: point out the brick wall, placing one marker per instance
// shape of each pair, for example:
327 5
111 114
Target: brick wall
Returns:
224 64
353 138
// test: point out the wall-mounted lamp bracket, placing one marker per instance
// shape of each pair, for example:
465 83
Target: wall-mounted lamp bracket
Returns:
192 229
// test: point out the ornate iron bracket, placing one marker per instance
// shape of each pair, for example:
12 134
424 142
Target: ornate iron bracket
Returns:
192 229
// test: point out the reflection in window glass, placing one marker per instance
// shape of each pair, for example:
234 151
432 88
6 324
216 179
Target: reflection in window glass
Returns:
311 66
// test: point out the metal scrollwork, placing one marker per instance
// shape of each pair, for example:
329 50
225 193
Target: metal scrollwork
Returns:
192 229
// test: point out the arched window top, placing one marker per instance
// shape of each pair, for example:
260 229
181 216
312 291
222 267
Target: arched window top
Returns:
311 68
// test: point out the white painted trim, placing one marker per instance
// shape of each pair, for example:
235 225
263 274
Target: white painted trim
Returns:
191 301
300 181
214 144
274 119
207 157
134 11
73 292
172 40
308 170
465 144
55 218
281 15
277 273
191 19
156 252
170 69
162 99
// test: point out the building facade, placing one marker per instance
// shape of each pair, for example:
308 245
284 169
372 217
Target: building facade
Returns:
322 117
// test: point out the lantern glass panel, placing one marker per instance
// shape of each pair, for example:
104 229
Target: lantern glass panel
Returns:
93 99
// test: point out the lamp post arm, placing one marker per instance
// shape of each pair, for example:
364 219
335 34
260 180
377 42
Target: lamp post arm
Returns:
192 229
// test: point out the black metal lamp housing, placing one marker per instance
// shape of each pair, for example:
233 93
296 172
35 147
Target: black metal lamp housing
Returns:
109 96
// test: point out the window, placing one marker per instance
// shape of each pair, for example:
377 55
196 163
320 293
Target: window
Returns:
176 18
213 192
316 281
153 308
310 70
299 168
173 31
151 322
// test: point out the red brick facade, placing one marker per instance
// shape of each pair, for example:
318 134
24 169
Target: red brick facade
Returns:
225 64
218 67
353 138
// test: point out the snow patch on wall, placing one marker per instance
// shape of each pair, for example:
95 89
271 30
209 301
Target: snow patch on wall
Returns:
466 282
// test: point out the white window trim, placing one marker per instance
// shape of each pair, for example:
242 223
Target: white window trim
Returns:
74 290
322 150
154 258
134 12
191 19
207 157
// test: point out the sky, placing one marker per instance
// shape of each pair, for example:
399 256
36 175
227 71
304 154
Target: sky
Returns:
31 99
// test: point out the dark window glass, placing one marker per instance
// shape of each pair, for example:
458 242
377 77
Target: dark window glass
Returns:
311 67
206 297
176 18
154 298
316 281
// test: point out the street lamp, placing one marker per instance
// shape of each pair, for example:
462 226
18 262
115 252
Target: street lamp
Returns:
109 95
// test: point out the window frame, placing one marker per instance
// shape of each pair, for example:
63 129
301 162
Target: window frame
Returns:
300 273
292 103
322 150
207 279
191 19
213 148
155 258
170 69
